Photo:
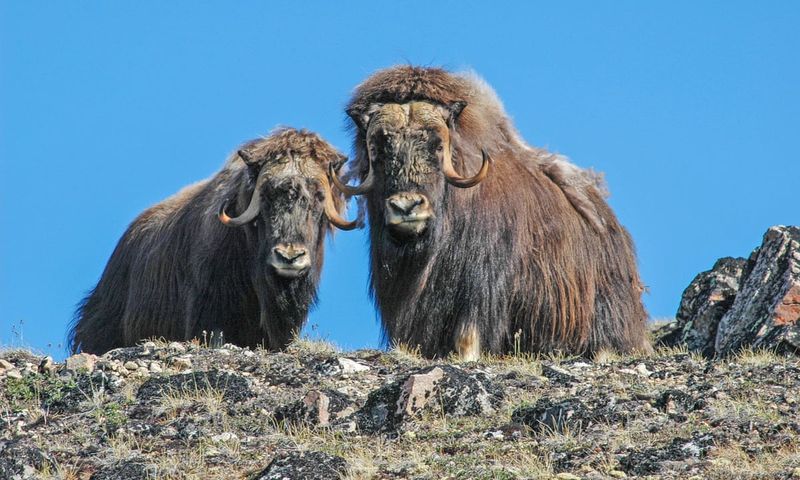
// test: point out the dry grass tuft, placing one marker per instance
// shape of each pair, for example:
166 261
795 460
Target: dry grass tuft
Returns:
406 354
313 347
758 357
732 463
211 399
607 356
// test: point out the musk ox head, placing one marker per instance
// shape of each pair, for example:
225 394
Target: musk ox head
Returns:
286 203
409 151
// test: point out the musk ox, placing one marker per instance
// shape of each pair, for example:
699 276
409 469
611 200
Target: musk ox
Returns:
185 266
480 242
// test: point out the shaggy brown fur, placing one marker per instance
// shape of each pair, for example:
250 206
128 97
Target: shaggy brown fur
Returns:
534 250
178 271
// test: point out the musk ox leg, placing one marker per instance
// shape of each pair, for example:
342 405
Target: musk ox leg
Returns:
468 343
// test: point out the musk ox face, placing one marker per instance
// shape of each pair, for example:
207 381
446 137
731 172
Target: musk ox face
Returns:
410 157
406 144
288 226
287 207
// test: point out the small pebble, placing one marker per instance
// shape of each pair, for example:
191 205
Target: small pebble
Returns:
181 363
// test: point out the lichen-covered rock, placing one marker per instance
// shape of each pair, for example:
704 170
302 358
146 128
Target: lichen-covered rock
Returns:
681 455
766 312
234 388
127 469
744 303
704 302
548 415
305 465
21 460
317 408
447 388
81 362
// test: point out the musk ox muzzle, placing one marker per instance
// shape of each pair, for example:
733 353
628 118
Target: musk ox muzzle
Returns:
407 214
290 260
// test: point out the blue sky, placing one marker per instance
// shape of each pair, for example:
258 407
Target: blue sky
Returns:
691 109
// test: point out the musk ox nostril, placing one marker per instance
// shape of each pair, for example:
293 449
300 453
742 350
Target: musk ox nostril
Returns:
289 253
407 215
406 204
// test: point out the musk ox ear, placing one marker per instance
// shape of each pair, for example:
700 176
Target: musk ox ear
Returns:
362 117
454 111
247 157
359 118
338 162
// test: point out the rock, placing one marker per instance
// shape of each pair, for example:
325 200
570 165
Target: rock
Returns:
67 394
318 408
511 431
234 388
127 469
744 303
704 302
131 366
13 374
417 391
558 375
81 362
766 311
673 401
641 369
21 460
47 366
567 476
444 387
351 366
225 437
181 363
548 415
6 365
680 454
304 466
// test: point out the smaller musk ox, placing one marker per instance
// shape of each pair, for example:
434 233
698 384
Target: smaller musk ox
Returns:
185 266
479 242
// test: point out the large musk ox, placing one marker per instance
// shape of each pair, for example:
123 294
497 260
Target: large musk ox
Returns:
479 242
185 266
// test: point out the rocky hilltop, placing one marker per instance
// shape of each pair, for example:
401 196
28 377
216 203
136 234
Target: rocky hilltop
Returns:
182 410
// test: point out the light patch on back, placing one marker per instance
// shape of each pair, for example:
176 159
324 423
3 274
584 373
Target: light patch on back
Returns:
575 182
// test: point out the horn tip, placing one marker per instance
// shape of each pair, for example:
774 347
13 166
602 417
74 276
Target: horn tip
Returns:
223 217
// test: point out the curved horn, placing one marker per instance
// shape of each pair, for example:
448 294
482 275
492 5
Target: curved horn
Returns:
365 186
249 214
453 178
330 209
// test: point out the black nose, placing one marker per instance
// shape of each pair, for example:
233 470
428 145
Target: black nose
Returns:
404 204
289 253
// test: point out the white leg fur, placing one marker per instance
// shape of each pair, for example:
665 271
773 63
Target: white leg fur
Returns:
468 344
